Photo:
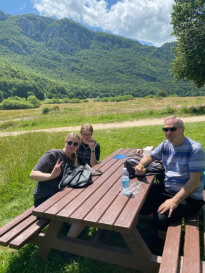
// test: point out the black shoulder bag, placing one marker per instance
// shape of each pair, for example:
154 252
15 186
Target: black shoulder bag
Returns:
80 177
154 168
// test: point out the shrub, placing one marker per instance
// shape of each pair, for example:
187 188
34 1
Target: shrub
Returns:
45 111
20 103
15 103
200 109
75 100
33 100
168 110
162 93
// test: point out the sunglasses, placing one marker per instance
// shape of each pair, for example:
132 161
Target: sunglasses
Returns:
87 135
171 129
74 143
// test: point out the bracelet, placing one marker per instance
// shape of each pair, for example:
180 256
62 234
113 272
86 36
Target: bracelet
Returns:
93 151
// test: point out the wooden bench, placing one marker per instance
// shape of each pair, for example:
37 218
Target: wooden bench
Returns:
190 261
19 230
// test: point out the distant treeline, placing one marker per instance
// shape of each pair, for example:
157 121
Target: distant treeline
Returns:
19 82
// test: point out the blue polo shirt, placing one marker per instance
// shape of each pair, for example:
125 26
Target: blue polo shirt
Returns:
179 161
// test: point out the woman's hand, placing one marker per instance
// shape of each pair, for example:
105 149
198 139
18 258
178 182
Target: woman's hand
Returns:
92 144
56 170
40 176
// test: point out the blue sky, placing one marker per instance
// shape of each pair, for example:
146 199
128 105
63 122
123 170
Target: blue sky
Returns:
142 20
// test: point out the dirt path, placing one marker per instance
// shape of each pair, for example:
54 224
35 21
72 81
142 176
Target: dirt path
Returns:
123 124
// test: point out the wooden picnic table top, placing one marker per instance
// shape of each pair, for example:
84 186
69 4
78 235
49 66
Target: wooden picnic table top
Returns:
101 204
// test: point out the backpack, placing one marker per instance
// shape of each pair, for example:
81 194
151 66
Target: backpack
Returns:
154 168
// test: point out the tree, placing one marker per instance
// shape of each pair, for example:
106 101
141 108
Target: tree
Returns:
188 19
34 101
162 93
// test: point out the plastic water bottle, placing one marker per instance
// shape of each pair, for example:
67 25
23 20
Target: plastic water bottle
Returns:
125 179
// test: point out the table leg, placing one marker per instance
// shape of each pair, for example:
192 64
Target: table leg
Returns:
46 244
144 259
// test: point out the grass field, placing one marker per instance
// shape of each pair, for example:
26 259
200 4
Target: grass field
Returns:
98 112
20 153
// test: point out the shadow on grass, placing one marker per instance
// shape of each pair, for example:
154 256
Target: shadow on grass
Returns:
26 260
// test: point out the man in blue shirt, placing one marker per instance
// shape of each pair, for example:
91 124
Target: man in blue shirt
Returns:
184 163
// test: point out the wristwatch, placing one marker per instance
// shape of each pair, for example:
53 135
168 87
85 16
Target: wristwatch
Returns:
93 151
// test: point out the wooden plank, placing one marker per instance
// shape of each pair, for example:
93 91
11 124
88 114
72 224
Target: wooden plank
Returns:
12 233
53 209
32 230
99 209
115 212
170 255
39 211
80 199
16 221
109 217
129 215
58 206
191 261
93 200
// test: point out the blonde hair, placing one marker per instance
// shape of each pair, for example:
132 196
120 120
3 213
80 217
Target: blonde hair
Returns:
86 127
73 157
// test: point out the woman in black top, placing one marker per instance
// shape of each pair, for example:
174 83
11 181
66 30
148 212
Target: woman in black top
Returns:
49 169
89 150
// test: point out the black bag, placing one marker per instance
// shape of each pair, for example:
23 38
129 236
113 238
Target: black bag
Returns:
80 177
154 168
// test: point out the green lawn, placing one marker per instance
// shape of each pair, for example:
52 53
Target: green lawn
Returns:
19 155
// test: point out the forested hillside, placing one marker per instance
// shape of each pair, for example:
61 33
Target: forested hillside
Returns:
60 58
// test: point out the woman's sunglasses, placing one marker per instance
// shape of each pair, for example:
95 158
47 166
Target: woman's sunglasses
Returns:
171 129
71 142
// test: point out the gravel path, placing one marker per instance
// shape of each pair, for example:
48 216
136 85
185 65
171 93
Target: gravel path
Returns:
123 124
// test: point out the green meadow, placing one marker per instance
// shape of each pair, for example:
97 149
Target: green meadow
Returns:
20 153
70 114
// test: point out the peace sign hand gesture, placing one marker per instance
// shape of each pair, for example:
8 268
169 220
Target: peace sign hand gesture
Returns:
56 170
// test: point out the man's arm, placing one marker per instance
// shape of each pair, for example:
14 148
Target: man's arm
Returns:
189 187
140 168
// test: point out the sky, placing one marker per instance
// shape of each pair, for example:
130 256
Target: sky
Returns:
147 21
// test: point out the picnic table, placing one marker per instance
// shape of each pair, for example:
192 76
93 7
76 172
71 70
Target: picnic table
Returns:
100 205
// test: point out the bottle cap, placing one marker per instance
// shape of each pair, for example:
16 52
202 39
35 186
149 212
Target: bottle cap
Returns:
125 172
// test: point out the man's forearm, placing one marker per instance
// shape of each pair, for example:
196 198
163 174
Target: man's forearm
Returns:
188 188
145 160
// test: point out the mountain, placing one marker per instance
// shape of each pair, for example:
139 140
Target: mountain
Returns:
61 58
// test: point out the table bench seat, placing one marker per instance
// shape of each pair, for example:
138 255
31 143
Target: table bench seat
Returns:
19 230
190 261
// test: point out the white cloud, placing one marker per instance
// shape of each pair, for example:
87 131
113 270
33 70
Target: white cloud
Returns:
143 20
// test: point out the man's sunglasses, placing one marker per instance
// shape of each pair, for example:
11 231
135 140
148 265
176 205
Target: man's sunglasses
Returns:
171 129
74 143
